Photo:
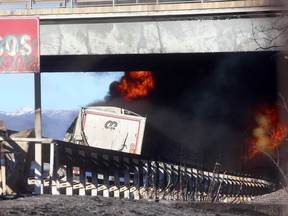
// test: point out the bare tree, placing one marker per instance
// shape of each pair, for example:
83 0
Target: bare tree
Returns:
273 35
277 166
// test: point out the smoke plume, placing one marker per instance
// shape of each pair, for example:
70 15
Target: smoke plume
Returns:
199 114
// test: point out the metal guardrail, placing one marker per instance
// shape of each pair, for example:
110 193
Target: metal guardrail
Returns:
84 170
116 174
41 4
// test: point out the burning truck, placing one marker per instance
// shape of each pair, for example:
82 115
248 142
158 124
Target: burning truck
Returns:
108 127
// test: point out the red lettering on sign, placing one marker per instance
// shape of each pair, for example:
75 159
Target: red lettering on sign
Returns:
19 45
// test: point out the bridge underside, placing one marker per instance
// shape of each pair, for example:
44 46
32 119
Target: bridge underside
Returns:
128 62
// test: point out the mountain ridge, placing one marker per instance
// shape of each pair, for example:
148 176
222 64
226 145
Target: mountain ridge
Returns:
54 122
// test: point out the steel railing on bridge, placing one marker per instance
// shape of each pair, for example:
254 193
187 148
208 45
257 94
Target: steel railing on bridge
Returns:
73 169
36 4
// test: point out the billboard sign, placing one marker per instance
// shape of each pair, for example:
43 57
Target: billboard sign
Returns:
19 45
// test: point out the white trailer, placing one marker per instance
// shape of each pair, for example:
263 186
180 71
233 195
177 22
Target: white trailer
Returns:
107 127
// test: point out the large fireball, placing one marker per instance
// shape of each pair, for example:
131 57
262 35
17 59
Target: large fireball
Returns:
135 84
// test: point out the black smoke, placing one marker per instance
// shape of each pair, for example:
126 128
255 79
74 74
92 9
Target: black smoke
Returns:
198 113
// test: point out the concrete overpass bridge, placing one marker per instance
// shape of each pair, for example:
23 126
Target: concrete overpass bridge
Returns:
106 35
118 30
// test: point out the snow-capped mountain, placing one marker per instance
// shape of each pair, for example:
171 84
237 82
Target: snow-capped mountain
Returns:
54 122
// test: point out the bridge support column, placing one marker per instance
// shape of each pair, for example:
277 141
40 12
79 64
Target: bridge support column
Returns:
38 134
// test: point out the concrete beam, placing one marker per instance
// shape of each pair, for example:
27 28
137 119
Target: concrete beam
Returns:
158 37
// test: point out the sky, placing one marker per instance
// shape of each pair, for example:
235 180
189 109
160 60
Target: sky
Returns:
59 91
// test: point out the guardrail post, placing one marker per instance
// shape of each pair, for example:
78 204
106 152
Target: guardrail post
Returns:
3 170
116 176
136 179
51 168
82 177
94 180
126 166
54 167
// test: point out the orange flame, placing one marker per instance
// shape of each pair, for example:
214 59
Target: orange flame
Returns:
268 133
135 84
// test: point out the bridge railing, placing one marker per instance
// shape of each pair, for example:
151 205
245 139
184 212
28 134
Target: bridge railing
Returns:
34 4
84 170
